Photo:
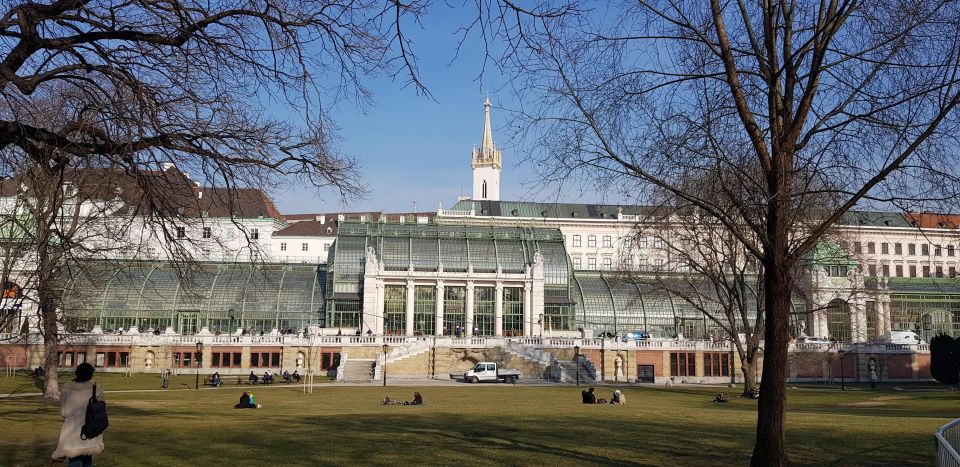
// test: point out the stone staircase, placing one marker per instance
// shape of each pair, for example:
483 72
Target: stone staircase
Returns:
529 353
566 372
356 370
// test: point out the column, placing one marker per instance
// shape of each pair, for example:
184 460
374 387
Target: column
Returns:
409 320
469 309
527 318
439 328
380 319
498 311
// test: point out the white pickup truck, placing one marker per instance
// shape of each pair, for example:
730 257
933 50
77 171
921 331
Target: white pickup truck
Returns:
489 371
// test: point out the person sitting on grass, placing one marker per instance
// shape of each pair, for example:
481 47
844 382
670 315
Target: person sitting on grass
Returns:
589 397
618 398
244 402
417 399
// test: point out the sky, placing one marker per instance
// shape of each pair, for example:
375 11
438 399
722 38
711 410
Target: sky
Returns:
414 148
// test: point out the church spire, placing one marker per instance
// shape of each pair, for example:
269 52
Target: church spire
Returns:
486 162
486 145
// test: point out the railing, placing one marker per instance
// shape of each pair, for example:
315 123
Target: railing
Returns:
948 443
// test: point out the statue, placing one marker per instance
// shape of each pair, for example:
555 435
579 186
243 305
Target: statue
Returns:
618 364
299 360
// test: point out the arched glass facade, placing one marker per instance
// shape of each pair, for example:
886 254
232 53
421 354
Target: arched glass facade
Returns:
220 297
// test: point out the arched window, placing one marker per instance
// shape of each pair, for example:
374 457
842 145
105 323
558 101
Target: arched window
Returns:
484 192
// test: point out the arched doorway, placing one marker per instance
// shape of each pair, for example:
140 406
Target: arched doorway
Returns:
838 320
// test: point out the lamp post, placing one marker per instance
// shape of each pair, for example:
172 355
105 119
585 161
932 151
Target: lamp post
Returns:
196 383
843 386
385 347
576 356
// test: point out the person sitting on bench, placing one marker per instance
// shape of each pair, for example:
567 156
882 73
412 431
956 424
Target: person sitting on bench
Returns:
296 376
253 378
286 376
215 380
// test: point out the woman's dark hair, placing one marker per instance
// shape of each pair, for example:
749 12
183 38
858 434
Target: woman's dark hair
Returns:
84 372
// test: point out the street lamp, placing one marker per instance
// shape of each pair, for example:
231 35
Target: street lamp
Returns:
576 356
384 370
196 384
843 386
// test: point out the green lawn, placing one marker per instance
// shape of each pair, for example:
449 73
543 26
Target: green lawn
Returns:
486 425
23 383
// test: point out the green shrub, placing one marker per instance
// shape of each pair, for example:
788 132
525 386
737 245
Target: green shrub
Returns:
945 359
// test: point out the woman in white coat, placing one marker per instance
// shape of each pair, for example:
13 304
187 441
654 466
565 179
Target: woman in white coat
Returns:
73 408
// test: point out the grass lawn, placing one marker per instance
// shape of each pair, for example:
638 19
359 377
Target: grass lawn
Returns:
485 425
23 383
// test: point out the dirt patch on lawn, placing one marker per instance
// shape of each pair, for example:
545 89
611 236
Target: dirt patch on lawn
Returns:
875 402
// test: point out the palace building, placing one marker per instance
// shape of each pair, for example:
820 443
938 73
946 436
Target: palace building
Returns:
531 284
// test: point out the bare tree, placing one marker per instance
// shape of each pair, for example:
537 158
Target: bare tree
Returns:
812 108
240 95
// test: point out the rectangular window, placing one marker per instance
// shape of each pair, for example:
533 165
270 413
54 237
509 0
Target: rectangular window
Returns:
642 242
304 246
871 248
939 271
329 360
873 269
394 309
326 247
926 271
911 249
716 364
683 364
913 271
264 359
951 251
937 250
886 270
591 263
207 232
181 232
953 271
576 263
658 264
592 241
925 249
898 248
512 311
425 310
254 234
607 264
658 243
885 248
856 248
899 270
643 264
283 247
576 240
483 310
607 241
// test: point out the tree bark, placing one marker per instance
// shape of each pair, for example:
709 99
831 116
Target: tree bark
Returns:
51 344
770 447
748 366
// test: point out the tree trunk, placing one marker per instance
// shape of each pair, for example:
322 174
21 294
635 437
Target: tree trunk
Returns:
748 366
51 345
770 447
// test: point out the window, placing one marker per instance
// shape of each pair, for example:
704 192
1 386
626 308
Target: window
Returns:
913 271
607 241
484 303
911 249
925 249
512 311
329 360
304 246
591 263
644 263
592 241
716 364
642 242
658 264
283 247
951 251
871 248
264 359
181 232
607 264
939 271
898 248
326 247
683 364
886 270
885 248
926 271
899 270
112 359
576 240
207 233
937 250
873 269
576 263
254 234
953 271
658 243
394 309
184 359
225 359
856 248
836 271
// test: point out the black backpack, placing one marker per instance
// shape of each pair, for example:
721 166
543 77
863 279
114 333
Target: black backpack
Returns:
95 421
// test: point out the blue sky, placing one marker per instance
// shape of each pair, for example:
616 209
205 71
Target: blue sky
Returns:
412 147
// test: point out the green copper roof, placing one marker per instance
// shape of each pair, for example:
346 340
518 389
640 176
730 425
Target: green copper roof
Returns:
829 253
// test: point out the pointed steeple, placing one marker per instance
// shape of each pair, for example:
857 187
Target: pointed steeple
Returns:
487 141
486 162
